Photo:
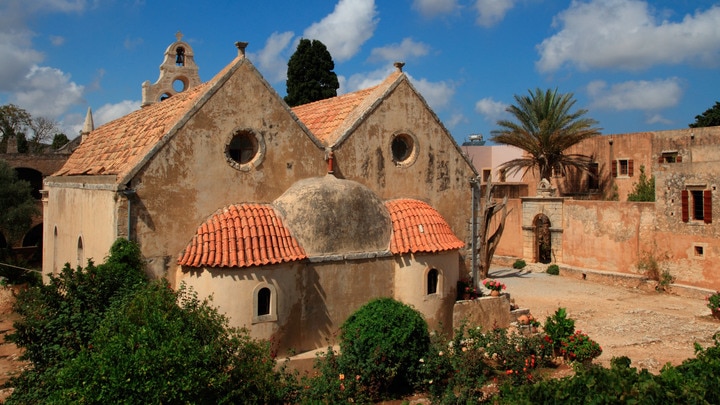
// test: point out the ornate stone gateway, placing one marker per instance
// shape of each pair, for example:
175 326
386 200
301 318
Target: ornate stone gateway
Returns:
542 219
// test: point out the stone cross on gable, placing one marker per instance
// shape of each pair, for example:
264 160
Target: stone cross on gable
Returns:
179 36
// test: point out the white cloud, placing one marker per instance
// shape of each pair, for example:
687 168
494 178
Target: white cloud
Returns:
271 60
635 95
490 109
17 59
403 51
109 112
491 12
437 94
432 8
658 119
47 92
345 29
363 80
456 119
625 34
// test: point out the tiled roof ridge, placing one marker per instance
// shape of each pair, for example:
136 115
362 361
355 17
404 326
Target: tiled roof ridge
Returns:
418 227
122 146
242 235
329 120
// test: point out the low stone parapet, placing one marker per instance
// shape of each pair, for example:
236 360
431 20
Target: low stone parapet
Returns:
486 312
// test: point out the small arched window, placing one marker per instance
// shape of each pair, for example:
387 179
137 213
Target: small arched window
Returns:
265 303
263 297
433 280
80 252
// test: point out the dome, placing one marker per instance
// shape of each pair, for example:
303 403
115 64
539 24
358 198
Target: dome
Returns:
331 216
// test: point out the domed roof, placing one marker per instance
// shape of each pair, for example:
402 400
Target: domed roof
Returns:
331 216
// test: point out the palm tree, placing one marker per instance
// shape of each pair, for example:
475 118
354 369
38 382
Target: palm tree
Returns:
545 128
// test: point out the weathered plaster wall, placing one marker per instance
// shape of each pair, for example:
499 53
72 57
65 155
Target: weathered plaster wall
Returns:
79 208
411 286
313 299
606 235
190 178
511 243
439 174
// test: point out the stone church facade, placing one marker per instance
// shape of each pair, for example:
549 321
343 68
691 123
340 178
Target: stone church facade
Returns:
290 218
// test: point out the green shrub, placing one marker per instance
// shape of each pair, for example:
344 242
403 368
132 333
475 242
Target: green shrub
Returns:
579 347
519 264
695 381
58 318
558 327
553 269
381 345
160 346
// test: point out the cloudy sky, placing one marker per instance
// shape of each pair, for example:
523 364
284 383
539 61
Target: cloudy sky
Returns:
635 65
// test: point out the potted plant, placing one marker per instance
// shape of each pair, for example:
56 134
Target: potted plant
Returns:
466 289
494 286
713 302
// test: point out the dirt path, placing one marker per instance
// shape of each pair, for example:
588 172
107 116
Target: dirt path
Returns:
650 328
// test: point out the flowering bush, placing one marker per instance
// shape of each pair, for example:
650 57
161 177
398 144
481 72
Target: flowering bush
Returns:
493 285
466 289
579 347
713 301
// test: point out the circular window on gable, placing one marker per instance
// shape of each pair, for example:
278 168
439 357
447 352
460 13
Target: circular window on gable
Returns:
245 149
403 149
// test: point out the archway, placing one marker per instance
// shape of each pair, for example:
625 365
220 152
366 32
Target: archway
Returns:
32 176
543 242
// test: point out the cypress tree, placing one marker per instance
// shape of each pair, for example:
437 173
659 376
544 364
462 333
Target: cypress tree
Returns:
310 75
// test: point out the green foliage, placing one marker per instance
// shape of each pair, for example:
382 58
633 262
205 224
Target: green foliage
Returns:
713 300
17 205
695 381
579 347
709 118
163 346
545 127
650 264
13 121
59 140
382 342
57 319
455 371
519 264
644 189
558 327
553 269
310 75
103 334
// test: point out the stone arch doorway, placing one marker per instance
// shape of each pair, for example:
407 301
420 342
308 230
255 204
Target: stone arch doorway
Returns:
543 242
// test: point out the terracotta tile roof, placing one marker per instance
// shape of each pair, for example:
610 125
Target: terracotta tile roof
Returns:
331 118
117 146
418 227
241 236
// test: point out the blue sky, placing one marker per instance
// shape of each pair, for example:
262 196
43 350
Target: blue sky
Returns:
635 65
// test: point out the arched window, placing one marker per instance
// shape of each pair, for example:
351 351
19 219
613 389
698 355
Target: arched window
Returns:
264 303
80 253
433 281
263 307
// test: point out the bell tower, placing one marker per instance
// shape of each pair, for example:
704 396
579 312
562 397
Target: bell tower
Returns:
178 72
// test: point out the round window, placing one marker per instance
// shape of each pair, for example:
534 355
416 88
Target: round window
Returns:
402 148
245 149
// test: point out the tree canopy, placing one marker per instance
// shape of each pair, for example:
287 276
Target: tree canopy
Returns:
17 205
17 123
310 75
644 189
545 128
710 118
